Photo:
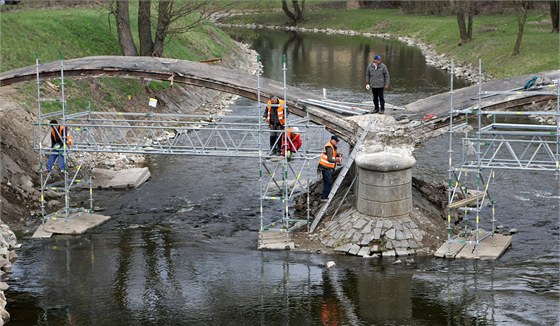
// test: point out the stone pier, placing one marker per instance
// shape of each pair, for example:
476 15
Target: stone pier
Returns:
381 223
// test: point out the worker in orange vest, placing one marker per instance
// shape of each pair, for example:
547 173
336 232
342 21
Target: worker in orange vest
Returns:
327 163
293 143
275 114
60 141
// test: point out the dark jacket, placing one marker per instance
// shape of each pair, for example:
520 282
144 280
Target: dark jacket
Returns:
377 76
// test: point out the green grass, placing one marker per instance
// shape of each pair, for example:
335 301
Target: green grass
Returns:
493 36
73 33
54 34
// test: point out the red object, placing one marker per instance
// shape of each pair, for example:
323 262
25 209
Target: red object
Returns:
429 117
294 142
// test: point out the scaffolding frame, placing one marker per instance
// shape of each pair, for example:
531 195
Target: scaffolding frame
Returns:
281 179
496 145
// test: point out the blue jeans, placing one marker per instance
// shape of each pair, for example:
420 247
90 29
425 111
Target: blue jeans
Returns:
327 182
53 157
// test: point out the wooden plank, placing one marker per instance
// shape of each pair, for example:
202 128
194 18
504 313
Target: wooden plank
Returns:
466 201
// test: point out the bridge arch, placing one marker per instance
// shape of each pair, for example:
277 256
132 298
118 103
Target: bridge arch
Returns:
190 73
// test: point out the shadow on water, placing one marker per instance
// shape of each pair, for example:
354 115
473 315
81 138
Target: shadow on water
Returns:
181 249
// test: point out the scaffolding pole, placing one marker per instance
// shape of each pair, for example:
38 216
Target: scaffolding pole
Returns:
496 145
281 179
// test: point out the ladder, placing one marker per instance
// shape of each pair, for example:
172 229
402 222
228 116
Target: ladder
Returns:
346 166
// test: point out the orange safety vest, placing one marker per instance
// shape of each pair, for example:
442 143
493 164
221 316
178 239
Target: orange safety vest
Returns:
58 136
324 161
280 111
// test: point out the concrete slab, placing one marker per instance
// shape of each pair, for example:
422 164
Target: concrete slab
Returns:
121 179
275 240
492 246
449 250
77 223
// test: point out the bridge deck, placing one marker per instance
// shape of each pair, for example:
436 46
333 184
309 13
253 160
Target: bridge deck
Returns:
512 95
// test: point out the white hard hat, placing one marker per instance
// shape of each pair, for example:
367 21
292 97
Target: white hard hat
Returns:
295 129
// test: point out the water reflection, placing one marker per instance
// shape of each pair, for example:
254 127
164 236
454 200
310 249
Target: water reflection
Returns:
157 275
338 63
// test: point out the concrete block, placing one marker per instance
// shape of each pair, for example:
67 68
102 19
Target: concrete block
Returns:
77 223
386 193
384 179
364 251
377 233
388 253
343 248
401 251
354 249
388 209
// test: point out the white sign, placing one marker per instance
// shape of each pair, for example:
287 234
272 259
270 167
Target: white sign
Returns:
153 102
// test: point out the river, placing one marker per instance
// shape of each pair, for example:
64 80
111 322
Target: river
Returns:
181 249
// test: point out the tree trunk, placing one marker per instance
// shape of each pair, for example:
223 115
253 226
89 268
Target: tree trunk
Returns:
521 15
126 42
297 10
165 10
145 27
555 15
470 24
462 26
288 12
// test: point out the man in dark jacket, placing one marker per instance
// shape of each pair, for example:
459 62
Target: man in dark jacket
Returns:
377 79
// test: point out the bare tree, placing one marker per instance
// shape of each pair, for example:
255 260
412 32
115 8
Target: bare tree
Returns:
145 27
126 42
169 21
464 10
297 15
521 15
555 15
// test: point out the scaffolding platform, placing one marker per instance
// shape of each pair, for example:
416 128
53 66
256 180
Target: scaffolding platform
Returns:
489 248
275 240
76 223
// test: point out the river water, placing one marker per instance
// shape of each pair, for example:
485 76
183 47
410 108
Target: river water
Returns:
181 249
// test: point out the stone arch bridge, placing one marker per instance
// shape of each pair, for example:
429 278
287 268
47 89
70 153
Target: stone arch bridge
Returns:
245 85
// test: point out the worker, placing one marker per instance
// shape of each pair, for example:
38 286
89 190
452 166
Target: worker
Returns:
327 163
377 79
275 115
60 141
293 143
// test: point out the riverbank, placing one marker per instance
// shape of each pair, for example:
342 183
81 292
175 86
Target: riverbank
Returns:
465 70
493 35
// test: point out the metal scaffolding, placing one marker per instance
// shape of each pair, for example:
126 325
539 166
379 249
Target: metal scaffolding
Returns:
496 145
281 178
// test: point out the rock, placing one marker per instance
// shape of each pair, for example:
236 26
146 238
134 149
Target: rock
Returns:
330 264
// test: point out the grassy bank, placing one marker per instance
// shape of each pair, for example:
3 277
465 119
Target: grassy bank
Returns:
52 34
493 36
74 33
